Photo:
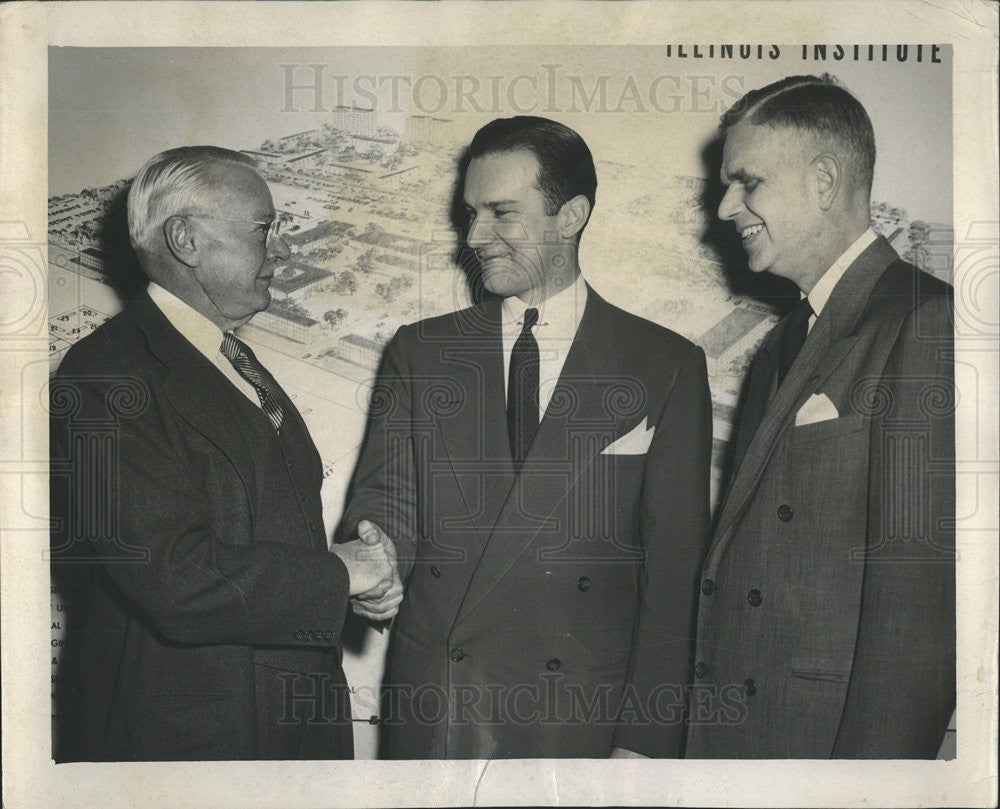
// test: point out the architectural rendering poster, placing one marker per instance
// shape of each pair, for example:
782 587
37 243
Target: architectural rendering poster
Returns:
357 116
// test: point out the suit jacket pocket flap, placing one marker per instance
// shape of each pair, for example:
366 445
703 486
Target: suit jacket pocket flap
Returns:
823 675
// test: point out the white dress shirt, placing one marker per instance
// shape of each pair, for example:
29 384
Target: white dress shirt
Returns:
558 319
202 333
820 293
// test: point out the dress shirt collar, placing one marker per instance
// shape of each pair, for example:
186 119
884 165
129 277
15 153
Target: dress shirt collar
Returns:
197 329
820 293
559 314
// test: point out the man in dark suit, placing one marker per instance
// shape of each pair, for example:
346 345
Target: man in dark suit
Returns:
542 462
186 482
826 625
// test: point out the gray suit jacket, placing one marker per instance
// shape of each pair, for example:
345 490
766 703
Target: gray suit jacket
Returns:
826 624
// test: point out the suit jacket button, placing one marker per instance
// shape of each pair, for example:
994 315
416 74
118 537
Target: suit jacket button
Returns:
754 597
708 587
700 669
750 685
435 572
456 654
784 512
554 664
583 584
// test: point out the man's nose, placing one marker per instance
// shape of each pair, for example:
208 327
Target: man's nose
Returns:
731 204
479 234
278 248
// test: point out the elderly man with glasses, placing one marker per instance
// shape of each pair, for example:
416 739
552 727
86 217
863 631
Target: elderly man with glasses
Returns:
186 490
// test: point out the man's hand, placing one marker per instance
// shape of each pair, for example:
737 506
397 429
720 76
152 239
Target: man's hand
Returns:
371 566
382 603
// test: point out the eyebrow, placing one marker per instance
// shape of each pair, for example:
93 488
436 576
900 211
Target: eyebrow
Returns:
261 216
738 175
494 205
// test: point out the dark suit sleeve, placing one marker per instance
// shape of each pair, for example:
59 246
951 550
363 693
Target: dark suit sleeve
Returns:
202 577
383 489
902 688
675 530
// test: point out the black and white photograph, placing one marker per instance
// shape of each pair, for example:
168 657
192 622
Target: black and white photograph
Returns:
418 403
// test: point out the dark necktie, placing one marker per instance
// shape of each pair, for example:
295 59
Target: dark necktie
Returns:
522 391
794 336
249 367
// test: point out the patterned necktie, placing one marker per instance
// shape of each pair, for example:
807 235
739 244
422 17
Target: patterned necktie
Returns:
522 391
794 336
249 367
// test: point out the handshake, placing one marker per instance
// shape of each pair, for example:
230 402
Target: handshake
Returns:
376 589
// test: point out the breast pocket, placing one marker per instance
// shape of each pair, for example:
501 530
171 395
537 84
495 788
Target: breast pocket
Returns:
827 475
827 430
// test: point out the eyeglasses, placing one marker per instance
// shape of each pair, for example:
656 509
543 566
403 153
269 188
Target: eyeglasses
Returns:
273 227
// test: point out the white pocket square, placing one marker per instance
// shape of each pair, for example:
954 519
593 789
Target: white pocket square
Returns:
818 407
634 442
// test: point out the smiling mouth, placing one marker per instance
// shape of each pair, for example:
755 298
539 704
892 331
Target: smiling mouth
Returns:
750 232
485 260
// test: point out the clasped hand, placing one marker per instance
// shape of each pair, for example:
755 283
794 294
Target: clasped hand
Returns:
376 589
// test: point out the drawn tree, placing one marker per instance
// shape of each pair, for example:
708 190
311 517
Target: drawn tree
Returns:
334 317
346 283
918 236
366 261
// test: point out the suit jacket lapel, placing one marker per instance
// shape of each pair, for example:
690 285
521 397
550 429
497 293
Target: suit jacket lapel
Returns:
760 388
577 398
577 402
829 341
475 436
194 386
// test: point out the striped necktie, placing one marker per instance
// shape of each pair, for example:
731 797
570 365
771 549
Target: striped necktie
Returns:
249 367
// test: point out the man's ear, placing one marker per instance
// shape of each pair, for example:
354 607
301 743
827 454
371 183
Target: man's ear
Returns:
180 240
828 176
573 216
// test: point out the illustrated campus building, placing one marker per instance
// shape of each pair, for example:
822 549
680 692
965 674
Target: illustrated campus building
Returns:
395 251
354 120
428 129
360 350
92 259
284 322
737 332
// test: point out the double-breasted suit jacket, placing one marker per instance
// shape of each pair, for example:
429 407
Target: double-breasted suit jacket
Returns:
537 602
213 598
827 616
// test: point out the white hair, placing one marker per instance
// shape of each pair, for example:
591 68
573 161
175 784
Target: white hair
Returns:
168 184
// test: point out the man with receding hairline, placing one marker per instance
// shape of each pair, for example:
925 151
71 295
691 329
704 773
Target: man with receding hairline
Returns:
826 623
210 623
